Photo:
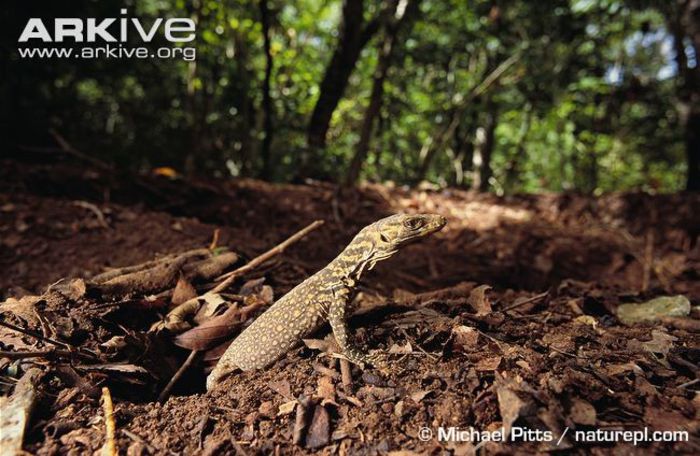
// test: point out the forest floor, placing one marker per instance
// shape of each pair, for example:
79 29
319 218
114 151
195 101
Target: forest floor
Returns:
506 319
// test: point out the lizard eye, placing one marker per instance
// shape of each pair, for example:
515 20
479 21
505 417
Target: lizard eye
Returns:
413 223
383 237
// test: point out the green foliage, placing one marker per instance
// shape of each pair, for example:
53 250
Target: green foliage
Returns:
589 105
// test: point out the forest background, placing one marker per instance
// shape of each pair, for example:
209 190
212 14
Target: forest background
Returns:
505 96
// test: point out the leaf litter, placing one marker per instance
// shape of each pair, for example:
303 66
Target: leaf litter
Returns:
520 326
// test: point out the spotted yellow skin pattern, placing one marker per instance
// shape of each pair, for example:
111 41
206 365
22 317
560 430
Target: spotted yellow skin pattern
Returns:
323 297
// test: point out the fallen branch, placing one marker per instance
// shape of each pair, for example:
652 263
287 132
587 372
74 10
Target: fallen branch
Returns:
34 354
116 272
95 210
163 275
72 348
69 149
16 411
526 301
346 375
186 365
197 265
228 278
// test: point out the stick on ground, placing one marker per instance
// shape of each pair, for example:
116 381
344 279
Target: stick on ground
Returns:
229 277
77 350
186 365
109 448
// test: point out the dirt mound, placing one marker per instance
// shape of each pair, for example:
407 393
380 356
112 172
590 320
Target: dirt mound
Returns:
503 321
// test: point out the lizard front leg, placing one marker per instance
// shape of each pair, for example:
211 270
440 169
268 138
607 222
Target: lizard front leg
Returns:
337 317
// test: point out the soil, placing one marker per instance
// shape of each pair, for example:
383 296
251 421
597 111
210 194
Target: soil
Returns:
505 319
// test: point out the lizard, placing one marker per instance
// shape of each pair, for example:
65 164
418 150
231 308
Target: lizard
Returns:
325 296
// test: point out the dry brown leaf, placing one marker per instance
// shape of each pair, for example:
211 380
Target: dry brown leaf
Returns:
267 295
251 287
184 291
210 304
509 403
326 389
401 350
464 337
661 342
582 412
488 364
115 367
479 301
212 332
282 388
324 345
419 395
76 289
616 369
115 343
524 364
401 295
22 308
287 408
319 433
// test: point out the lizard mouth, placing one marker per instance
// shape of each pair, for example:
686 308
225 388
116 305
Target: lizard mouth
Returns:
434 223
438 223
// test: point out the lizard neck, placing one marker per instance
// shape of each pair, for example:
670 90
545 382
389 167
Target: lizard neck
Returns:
357 258
347 269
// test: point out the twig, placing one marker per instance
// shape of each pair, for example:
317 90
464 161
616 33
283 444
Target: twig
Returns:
214 240
69 149
346 375
228 278
326 371
237 446
690 383
573 355
186 365
95 210
527 301
648 259
109 448
683 323
33 354
36 335
139 439
429 355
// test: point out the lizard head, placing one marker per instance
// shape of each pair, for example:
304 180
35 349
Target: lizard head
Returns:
395 231
383 238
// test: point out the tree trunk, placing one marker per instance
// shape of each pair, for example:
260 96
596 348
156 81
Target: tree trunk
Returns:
438 140
353 37
484 149
683 22
692 150
691 25
267 99
193 156
464 149
247 108
512 175
375 104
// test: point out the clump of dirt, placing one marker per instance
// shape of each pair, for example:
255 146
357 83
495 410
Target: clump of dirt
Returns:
505 321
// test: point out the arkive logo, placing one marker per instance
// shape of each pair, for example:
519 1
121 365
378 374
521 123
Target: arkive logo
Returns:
109 30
